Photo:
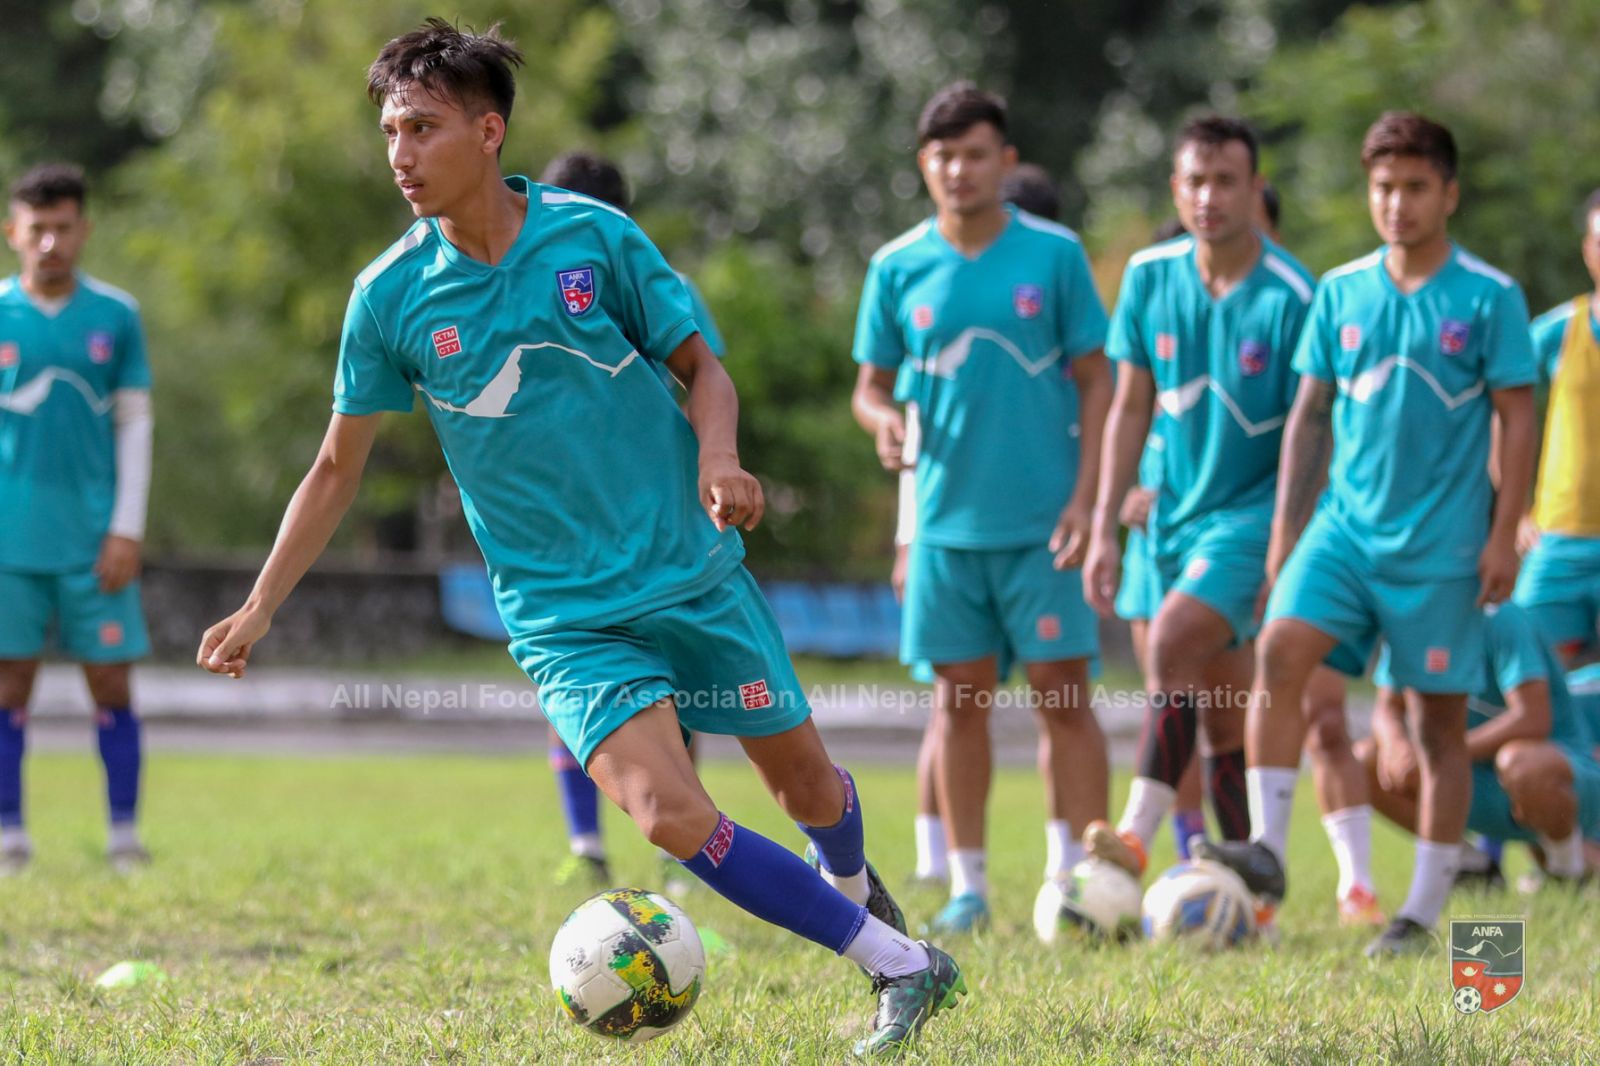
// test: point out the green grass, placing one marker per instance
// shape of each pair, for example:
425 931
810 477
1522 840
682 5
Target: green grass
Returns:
398 910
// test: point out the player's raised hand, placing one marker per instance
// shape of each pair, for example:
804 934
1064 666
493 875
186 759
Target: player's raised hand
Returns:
1497 570
1396 765
730 494
890 440
118 563
226 646
1102 574
1070 540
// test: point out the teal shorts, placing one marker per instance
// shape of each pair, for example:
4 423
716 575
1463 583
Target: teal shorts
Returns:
1559 587
67 613
1137 598
1490 813
1220 560
964 604
1434 629
720 656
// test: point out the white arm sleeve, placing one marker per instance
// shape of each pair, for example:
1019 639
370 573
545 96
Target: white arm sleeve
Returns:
905 529
135 430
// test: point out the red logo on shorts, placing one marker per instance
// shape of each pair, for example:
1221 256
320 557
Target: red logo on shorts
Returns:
1048 627
1197 569
1350 338
446 341
110 634
755 696
1437 660
721 841
1166 346
10 355
922 317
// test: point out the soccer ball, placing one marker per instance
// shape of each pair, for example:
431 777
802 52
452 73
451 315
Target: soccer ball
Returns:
1200 902
1467 1000
627 964
1097 898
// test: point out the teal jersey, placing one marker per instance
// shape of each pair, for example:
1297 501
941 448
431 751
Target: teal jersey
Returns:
708 332
983 348
1409 477
1583 685
1514 655
1223 375
59 373
578 473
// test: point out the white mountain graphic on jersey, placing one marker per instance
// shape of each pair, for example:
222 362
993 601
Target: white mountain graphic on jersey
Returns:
28 399
1367 384
1175 402
495 398
953 356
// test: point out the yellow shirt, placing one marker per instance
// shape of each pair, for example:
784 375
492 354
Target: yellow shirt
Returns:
1567 495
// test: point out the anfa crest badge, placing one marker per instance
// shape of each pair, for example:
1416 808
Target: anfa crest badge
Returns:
577 289
1487 960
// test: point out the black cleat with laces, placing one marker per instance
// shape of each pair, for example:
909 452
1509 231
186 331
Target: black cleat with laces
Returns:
1403 937
1252 860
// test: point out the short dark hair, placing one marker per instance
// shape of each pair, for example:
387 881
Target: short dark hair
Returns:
589 174
1214 131
1031 188
1271 202
50 183
1169 230
957 108
1408 133
474 70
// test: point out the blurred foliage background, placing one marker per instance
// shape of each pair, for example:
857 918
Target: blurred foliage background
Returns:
240 183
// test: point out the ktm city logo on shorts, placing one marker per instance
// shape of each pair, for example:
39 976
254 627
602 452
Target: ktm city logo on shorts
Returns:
1048 627
10 355
1197 569
1166 346
1350 338
447 341
110 634
1437 660
755 696
922 317
721 841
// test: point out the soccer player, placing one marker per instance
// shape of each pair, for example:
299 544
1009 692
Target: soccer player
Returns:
1534 774
1407 356
75 435
1560 580
1204 329
991 315
594 175
527 318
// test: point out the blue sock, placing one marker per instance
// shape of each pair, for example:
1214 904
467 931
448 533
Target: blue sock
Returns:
122 755
842 846
580 799
1491 847
13 741
775 885
1186 824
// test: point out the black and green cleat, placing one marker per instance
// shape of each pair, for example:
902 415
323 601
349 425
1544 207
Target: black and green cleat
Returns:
906 1003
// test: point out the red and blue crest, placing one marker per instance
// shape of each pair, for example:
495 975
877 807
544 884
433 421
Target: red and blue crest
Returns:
577 289
1453 336
1252 358
100 347
1027 300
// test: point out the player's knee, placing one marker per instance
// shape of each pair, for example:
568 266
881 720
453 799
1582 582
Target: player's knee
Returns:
1325 732
1526 766
675 820
1366 752
1282 656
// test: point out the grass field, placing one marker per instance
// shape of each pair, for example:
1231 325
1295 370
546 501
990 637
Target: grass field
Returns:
399 910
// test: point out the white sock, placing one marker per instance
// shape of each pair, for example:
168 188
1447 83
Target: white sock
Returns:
15 838
1062 848
854 886
588 845
1149 801
967 873
122 836
1271 794
1563 858
932 858
1350 832
1432 876
880 949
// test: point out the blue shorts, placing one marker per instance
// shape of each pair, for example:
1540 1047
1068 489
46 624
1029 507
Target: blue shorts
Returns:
1220 560
88 626
719 655
1137 599
1559 587
964 604
1490 813
1434 629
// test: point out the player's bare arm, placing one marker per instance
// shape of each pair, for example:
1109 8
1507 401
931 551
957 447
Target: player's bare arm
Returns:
1307 448
731 495
1497 566
1070 541
1127 428
314 512
876 411
1527 717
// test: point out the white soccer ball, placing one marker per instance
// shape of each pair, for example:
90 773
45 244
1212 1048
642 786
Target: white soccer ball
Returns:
1200 902
627 964
1467 1000
1097 898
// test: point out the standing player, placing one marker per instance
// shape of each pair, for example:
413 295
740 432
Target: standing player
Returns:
1205 327
596 176
992 316
527 317
1408 354
75 432
1560 580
